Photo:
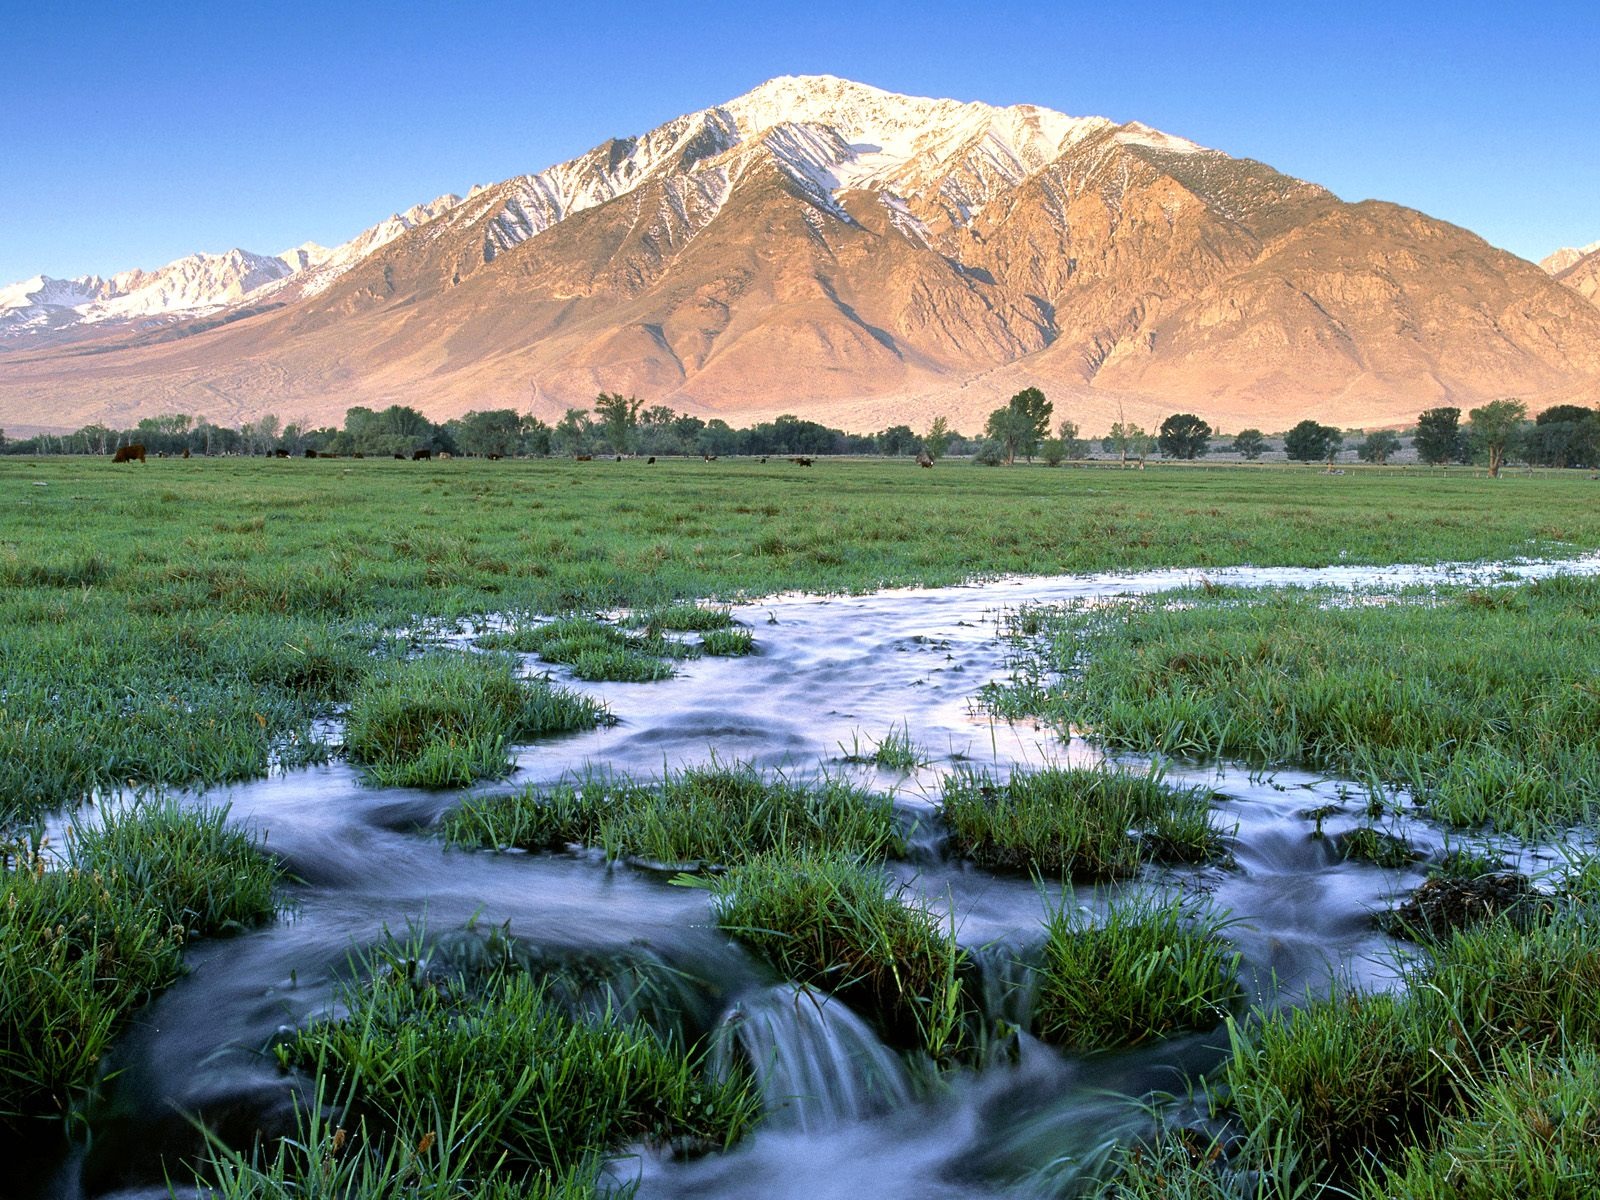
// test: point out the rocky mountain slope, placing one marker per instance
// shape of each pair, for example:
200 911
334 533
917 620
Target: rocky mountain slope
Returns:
825 248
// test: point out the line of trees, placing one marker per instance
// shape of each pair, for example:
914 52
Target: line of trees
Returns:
617 424
1566 435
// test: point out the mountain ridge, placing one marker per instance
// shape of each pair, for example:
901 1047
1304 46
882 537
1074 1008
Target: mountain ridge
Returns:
827 248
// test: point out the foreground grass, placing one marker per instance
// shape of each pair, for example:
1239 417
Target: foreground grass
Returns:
840 925
1481 703
136 648
88 942
1087 823
717 815
1149 969
448 719
460 1074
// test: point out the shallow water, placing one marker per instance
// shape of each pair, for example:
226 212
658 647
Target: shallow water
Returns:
831 676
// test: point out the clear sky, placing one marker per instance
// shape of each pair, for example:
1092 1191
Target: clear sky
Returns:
134 133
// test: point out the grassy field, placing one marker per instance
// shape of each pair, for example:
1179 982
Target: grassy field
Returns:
196 621
185 621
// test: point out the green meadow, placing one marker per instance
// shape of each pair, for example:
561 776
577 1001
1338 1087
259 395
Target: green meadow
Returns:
190 622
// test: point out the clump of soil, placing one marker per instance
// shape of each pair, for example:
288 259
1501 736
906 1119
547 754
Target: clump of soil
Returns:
1445 903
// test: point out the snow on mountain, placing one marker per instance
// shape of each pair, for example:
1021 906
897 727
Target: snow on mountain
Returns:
1566 257
927 159
828 135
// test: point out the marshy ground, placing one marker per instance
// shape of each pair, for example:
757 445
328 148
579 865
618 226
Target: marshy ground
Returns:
847 905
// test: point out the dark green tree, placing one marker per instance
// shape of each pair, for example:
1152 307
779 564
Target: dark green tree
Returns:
1567 435
1184 435
1377 446
1251 443
1311 441
1438 439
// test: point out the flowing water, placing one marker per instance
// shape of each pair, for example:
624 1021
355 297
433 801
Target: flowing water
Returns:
831 676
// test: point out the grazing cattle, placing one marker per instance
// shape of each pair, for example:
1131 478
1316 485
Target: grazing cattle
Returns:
763 458
924 459
131 453
400 456
651 462
280 453
310 453
186 452
583 458
494 457
419 455
357 454
709 457
801 461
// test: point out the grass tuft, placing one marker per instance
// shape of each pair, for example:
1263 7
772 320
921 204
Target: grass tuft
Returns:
89 941
1086 823
447 719
714 815
842 926
1151 968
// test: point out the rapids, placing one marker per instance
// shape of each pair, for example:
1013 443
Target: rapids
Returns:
846 1117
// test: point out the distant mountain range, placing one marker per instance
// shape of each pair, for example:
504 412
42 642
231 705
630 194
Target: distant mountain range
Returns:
825 248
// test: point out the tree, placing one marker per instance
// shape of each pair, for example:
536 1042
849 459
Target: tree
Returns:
573 434
1072 445
1438 439
1052 450
898 440
1184 435
619 416
1020 426
497 431
1494 426
1251 443
1311 441
1377 446
1567 435
938 438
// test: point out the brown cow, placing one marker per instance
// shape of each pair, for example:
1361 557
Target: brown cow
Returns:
129 453
186 452
801 461
583 458
924 459
709 457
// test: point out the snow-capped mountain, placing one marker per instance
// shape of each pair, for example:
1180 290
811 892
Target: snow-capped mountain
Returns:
830 249
195 285
1566 257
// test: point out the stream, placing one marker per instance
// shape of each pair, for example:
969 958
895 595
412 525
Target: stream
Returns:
845 1116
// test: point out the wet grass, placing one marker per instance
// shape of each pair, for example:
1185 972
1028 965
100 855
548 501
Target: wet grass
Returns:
715 816
728 643
1150 968
531 1092
1481 704
146 617
1369 844
87 942
1359 1081
1076 822
595 650
844 927
448 719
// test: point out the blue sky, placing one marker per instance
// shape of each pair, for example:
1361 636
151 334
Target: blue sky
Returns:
133 133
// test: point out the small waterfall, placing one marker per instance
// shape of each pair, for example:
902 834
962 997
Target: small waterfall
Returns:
816 1062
